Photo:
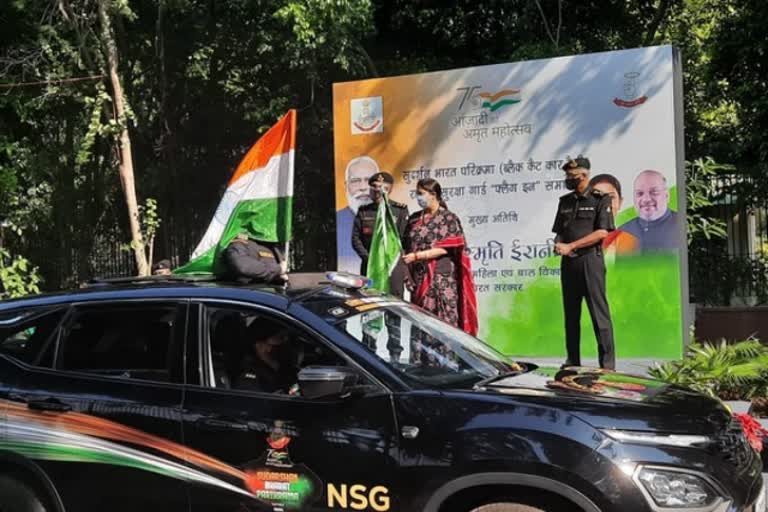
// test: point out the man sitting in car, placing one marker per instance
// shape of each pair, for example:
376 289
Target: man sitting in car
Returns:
270 366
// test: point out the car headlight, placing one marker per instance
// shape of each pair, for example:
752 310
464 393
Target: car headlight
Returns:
675 489
628 436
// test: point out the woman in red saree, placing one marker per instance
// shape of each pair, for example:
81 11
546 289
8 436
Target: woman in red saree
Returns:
437 257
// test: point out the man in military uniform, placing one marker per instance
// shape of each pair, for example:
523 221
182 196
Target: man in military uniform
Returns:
162 268
252 261
362 235
583 220
365 223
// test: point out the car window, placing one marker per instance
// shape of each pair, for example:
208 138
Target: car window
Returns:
28 336
251 351
423 348
138 342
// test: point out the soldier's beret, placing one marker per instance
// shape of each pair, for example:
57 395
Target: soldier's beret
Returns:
575 163
381 177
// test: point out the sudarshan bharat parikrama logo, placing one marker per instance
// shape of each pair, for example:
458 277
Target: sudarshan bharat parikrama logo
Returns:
367 115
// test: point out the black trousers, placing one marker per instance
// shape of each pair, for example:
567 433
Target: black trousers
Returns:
583 277
394 341
392 321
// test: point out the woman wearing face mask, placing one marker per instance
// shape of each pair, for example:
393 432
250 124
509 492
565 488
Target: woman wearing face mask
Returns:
435 245
618 242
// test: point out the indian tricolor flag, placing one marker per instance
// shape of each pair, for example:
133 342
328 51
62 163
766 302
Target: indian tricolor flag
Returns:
258 200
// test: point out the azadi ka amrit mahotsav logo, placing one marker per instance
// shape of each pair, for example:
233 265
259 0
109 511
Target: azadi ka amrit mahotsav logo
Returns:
499 100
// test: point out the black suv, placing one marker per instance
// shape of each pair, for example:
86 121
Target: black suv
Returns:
179 395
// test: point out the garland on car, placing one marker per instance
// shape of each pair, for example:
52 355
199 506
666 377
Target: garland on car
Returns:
753 430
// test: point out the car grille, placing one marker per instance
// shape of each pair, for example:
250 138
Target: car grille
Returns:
732 445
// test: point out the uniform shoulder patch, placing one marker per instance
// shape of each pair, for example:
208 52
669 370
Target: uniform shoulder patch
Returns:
396 204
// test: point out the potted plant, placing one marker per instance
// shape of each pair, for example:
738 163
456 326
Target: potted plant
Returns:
736 373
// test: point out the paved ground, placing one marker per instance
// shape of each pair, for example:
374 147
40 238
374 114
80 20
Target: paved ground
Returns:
635 366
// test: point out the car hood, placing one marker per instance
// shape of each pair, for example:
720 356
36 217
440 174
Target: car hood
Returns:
607 399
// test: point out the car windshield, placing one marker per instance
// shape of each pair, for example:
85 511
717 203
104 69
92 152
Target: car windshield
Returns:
424 348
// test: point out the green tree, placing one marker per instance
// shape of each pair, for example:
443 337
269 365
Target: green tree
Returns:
701 189
108 9
150 223
738 69
17 276
202 80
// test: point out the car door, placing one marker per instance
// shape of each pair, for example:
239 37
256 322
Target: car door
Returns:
103 420
281 451
25 338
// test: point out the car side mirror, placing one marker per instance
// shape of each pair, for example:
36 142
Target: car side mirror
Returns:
326 381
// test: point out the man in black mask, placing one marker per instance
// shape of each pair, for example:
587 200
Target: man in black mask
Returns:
583 219
270 365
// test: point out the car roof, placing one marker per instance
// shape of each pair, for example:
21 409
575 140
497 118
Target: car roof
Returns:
303 287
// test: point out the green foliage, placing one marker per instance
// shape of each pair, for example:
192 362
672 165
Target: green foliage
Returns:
325 30
204 79
123 8
17 276
729 371
150 223
693 28
738 60
97 127
150 220
701 189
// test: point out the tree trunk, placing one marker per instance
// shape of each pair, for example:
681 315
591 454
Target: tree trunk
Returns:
126 157
658 19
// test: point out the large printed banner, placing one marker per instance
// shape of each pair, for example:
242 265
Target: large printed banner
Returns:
496 137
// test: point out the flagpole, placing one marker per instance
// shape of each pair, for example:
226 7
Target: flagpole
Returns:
409 274
287 256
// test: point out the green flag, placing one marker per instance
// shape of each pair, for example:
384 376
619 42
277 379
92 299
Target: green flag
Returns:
385 247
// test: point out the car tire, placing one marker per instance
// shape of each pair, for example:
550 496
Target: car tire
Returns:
16 496
507 507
